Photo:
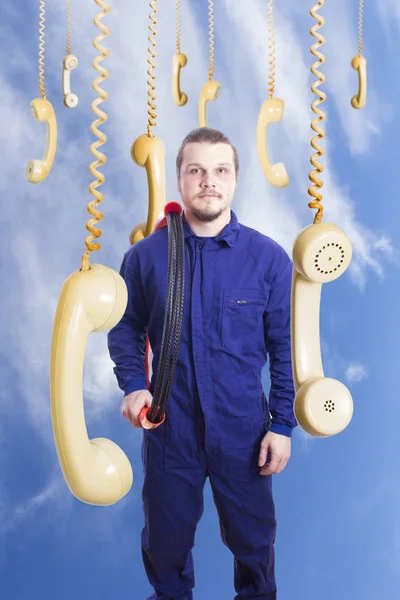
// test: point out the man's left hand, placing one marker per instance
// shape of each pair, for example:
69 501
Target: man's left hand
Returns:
279 447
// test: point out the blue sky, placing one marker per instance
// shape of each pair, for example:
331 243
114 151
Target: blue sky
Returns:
337 500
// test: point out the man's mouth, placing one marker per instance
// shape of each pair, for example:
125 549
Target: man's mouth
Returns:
209 196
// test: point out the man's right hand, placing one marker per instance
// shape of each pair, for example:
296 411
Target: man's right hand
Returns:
133 404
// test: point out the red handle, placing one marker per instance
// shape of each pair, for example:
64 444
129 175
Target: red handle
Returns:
144 421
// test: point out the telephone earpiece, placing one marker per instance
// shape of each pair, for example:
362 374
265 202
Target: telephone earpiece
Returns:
209 92
322 406
178 61
360 64
38 170
271 112
70 62
149 152
96 471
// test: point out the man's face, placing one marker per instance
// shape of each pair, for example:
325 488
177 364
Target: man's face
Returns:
207 180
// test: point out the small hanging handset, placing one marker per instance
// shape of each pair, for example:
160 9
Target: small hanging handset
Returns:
70 62
360 64
178 61
38 170
209 91
323 406
149 152
271 112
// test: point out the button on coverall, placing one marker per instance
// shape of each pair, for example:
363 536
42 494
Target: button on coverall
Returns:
236 314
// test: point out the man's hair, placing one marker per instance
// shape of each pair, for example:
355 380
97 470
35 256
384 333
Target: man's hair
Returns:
209 136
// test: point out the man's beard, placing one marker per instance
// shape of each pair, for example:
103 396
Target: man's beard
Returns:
202 214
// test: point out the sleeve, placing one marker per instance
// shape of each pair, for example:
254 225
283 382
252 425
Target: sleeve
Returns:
127 340
278 346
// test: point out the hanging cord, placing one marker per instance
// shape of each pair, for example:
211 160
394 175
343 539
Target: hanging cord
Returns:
41 48
151 82
271 36
178 26
313 190
173 317
360 27
69 22
211 39
101 158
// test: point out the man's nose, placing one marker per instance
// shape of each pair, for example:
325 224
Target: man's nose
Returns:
208 180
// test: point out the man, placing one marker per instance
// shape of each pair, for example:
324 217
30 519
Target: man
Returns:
218 421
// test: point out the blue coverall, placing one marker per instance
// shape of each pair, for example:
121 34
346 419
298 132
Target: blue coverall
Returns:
236 314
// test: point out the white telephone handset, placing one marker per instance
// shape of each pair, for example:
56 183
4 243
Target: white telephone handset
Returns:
323 406
70 62
96 471
38 170
209 92
270 112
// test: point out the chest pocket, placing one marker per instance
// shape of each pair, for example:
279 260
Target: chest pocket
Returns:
242 320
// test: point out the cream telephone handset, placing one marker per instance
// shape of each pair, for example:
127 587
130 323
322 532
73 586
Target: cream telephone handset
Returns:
271 112
360 64
209 92
323 406
38 170
97 471
178 61
149 152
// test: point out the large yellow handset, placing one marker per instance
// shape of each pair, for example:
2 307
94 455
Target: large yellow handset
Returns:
271 112
211 89
360 65
94 298
43 111
321 253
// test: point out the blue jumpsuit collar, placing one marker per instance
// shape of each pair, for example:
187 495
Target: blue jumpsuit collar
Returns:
227 235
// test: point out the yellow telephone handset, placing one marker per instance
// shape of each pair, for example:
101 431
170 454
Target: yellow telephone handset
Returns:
96 471
360 64
322 406
271 112
209 91
38 170
70 62
149 152
178 61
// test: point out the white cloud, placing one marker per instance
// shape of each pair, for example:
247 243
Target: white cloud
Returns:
356 372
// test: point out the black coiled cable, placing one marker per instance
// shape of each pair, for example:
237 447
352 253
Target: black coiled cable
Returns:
173 317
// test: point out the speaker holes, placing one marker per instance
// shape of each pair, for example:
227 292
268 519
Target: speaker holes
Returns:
329 406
